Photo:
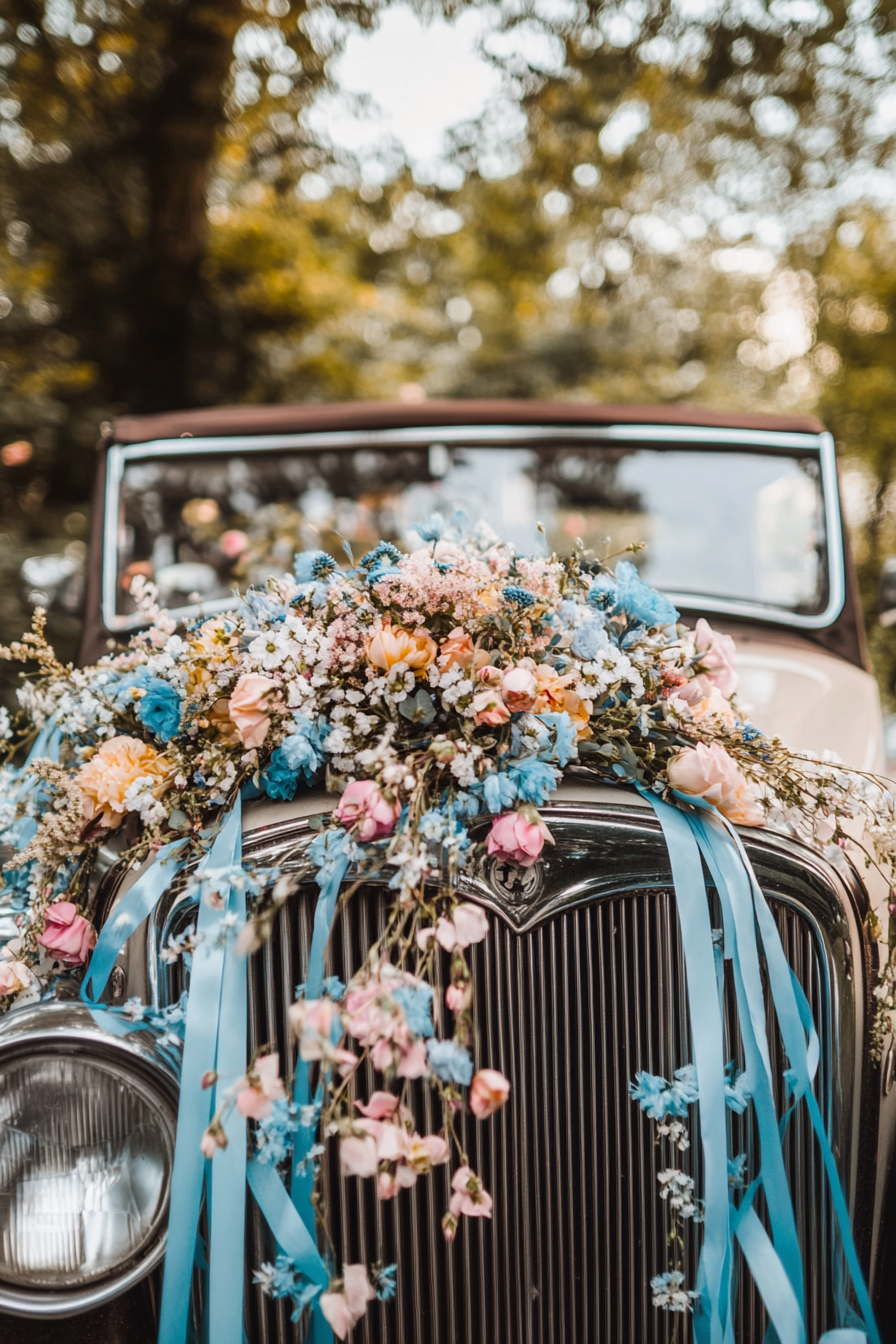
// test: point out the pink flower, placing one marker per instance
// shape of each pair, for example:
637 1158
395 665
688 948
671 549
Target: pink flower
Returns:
470 1197
513 837
468 924
212 1139
413 1062
709 772
265 1087
519 689
313 1022
250 703
459 997
343 1309
233 543
488 1092
362 801
358 1155
67 936
427 1152
14 977
456 649
490 676
489 708
380 1106
717 653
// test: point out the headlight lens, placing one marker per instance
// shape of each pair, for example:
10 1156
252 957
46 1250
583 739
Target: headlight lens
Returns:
85 1157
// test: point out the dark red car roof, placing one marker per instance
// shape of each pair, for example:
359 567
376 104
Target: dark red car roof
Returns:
226 420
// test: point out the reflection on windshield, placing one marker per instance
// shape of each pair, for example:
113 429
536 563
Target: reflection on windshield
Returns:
717 523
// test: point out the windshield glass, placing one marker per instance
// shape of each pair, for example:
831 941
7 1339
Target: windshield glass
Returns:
738 525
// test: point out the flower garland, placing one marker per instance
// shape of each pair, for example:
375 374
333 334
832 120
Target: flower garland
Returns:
426 690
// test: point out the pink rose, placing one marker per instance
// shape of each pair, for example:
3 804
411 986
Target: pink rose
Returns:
250 703
718 654
470 1197
265 1087
468 924
513 837
490 676
362 801
344 1308
519 690
710 773
488 1092
67 936
456 649
488 707
357 1155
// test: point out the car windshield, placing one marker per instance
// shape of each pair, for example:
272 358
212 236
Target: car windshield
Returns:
718 523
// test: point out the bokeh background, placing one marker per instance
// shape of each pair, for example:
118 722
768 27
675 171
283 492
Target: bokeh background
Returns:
207 201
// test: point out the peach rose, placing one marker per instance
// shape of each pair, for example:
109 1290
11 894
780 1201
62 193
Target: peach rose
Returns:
393 644
250 703
718 654
362 801
488 1092
519 689
67 936
456 649
265 1087
106 777
490 675
513 836
488 707
709 772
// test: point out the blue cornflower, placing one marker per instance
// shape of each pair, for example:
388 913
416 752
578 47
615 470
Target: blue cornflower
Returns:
160 708
637 599
450 1062
520 597
535 780
285 1279
415 1001
311 565
499 792
383 1280
657 1098
277 779
589 639
431 528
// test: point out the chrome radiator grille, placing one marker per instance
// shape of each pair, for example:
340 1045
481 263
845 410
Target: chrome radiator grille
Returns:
569 1010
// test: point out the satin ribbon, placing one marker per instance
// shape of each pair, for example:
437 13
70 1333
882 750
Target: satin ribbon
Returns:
776 1262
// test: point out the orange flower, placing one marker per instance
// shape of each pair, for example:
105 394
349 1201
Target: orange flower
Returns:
393 644
106 777
555 697
457 648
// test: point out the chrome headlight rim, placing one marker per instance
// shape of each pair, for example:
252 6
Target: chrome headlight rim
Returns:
68 1029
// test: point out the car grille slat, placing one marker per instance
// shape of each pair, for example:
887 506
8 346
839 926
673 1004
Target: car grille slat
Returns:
569 1010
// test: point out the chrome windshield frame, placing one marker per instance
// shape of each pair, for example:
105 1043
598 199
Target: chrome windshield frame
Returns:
120 455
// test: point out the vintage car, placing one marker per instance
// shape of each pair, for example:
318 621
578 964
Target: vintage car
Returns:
584 970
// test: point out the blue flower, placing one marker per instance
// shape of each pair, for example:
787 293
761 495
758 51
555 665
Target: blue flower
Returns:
258 608
535 780
657 1098
562 744
415 1001
384 553
160 708
302 750
285 1279
499 792
602 593
384 1282
278 779
637 599
589 639
311 565
327 850
520 597
450 1062
276 1133
431 528
466 804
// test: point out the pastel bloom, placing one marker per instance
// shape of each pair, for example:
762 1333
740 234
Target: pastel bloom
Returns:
468 924
344 1308
718 654
14 977
451 1062
265 1087
357 1155
456 649
106 777
519 689
233 543
427 1152
67 936
250 705
556 696
470 1196
362 802
488 1092
160 708
709 772
393 644
459 997
512 836
488 707
381 1106
490 676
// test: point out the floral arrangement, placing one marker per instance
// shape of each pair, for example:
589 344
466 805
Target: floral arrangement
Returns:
427 691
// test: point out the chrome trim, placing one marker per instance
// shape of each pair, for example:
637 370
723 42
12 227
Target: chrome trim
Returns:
70 1028
697 436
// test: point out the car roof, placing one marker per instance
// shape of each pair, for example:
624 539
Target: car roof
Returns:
224 421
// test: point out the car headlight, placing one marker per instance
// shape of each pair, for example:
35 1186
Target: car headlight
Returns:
87 1127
